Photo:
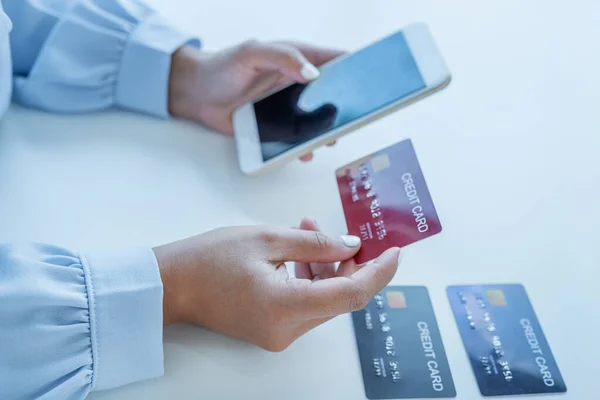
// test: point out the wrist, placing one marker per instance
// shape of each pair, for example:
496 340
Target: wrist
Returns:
167 266
184 63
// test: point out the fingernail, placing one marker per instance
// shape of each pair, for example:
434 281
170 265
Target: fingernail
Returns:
351 241
316 278
309 72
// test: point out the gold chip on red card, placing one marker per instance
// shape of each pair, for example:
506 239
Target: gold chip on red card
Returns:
380 162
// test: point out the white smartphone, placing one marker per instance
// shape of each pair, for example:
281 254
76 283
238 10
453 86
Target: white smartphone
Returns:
351 91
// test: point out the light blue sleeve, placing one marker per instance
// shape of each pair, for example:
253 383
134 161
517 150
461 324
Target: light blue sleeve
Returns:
83 55
71 323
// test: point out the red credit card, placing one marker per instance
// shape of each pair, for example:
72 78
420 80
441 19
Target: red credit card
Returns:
386 200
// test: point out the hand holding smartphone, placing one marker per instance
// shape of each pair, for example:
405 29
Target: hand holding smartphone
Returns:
351 92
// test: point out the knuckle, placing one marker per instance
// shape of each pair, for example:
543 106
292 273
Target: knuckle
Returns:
359 299
268 236
250 44
248 47
286 53
384 273
322 241
290 54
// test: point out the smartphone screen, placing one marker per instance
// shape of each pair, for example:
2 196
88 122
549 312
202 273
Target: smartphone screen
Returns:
348 89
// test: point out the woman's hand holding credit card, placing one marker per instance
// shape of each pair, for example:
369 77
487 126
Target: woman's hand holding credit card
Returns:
234 281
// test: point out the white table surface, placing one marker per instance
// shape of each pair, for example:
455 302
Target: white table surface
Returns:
510 152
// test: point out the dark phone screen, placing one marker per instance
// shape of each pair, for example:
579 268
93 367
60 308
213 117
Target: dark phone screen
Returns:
348 89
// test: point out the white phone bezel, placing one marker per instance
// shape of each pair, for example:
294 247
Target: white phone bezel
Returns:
433 70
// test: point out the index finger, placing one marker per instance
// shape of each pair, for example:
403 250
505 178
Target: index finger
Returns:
317 55
343 294
286 59
307 246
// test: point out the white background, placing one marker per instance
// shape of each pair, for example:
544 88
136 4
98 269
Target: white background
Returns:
509 149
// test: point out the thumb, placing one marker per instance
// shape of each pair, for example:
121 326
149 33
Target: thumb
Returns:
287 60
308 246
317 121
330 297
